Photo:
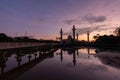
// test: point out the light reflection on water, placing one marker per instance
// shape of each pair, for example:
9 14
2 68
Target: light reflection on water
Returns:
70 64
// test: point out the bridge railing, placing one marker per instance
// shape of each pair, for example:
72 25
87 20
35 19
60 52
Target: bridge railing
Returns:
7 45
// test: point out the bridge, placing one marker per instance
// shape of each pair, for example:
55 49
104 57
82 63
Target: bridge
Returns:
13 45
21 68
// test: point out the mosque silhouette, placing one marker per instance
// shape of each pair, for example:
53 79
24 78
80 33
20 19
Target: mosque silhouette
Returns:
71 39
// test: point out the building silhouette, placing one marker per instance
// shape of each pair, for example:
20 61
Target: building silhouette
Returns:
71 39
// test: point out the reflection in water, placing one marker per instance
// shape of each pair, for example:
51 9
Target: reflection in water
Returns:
61 55
29 57
19 59
3 60
110 58
70 51
77 64
74 58
21 67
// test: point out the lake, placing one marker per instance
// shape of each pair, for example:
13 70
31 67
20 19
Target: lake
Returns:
64 64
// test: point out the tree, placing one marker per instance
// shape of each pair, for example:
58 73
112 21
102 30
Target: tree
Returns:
5 38
3 35
96 36
117 31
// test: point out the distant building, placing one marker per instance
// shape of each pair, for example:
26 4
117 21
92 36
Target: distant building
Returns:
71 40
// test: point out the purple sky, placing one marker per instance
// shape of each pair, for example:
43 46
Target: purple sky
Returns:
44 18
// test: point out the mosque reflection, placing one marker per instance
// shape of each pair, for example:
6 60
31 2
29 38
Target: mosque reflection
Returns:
74 51
70 51
107 57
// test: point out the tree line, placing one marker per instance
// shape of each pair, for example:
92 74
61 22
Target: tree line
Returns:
108 40
5 38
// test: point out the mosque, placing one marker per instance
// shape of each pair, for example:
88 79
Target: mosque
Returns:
71 39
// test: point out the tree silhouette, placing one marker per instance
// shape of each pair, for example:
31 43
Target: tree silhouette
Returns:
3 35
117 31
5 38
96 36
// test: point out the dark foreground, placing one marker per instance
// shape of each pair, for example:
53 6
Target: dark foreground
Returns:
60 64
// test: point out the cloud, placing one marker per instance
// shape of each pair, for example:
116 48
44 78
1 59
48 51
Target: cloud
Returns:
94 19
69 22
84 30
89 18
90 29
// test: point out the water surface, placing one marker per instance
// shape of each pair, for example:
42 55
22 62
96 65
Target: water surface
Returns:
64 64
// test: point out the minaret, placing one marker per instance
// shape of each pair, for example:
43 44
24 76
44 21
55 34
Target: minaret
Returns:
61 34
73 32
26 33
77 36
88 34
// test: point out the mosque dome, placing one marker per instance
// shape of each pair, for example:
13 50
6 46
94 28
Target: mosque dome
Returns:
69 37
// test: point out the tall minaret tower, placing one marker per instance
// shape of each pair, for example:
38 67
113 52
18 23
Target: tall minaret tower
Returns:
61 34
73 32
88 34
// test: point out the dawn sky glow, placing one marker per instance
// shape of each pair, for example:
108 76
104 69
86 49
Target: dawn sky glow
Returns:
45 18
